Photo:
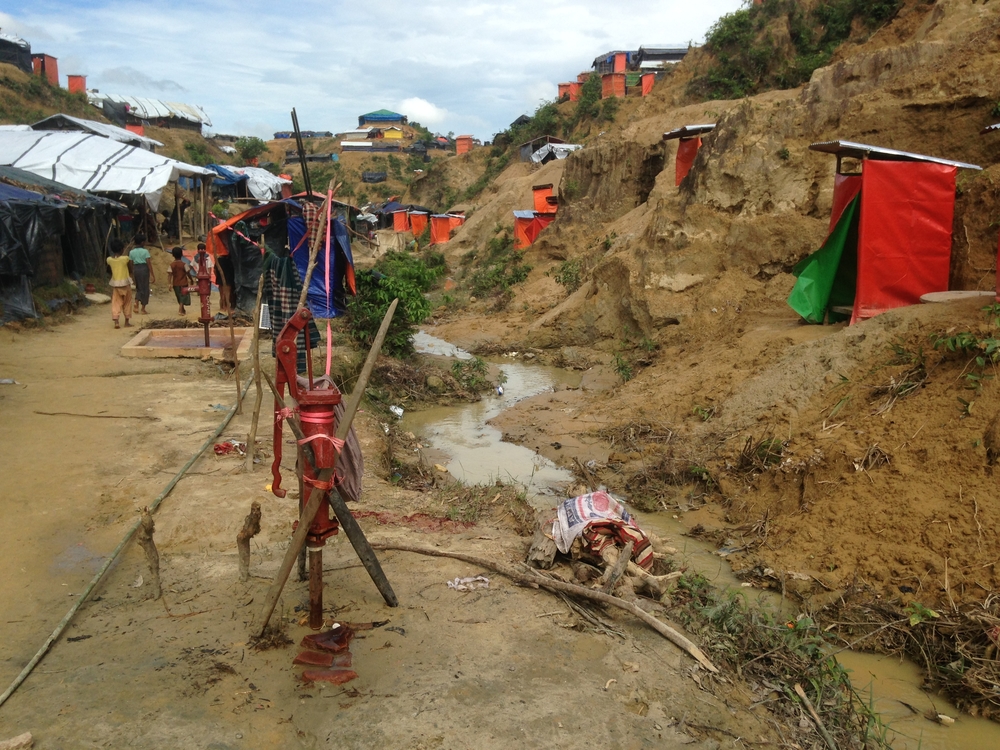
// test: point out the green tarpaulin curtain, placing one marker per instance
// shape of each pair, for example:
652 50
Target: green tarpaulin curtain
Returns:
828 276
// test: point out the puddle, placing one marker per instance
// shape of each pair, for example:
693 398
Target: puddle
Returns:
476 454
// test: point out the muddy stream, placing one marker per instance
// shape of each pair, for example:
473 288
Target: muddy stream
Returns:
461 438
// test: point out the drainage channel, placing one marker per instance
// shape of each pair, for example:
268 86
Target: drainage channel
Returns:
474 452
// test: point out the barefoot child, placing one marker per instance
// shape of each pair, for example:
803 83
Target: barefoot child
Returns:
121 283
180 279
142 271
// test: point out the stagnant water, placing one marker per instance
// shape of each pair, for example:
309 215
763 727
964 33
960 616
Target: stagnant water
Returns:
474 452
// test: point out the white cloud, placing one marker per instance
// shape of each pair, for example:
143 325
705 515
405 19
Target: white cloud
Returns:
423 112
469 66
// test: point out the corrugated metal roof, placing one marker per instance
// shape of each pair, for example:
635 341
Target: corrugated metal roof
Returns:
153 109
864 151
689 131
15 40
990 128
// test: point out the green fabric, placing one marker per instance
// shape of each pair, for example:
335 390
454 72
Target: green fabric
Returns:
633 79
828 276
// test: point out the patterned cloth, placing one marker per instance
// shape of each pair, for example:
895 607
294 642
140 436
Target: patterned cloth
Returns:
600 520
282 287
311 212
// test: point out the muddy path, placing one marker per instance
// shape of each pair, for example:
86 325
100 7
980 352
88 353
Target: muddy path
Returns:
488 668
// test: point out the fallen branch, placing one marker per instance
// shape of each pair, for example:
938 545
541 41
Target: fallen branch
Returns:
540 581
145 539
96 416
812 711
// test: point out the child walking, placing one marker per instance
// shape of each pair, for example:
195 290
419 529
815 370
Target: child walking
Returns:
121 283
180 278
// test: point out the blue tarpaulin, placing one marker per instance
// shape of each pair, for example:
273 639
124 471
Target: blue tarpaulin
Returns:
225 176
11 193
320 304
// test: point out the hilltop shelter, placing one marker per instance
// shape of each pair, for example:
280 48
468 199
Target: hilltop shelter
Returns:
15 51
688 140
528 225
649 58
380 118
463 144
890 232
138 111
442 226
63 122
551 151
526 149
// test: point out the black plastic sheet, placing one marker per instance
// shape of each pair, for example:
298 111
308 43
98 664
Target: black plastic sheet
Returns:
15 298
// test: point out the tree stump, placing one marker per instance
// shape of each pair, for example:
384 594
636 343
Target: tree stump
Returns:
251 527
145 538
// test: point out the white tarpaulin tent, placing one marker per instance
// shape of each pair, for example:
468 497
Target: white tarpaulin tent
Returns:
93 163
557 150
144 108
262 185
115 133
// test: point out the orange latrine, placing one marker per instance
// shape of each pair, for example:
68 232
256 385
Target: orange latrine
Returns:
463 144
541 195
647 83
574 92
400 221
563 90
689 141
527 226
442 226
612 84
418 222
76 84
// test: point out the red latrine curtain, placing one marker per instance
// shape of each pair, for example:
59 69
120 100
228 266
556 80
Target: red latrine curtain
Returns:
399 221
522 233
687 149
647 83
540 194
904 237
845 187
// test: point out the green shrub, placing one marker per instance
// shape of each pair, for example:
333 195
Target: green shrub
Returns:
502 267
569 274
250 147
399 275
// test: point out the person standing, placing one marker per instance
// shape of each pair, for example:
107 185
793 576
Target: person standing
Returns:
142 272
180 279
121 283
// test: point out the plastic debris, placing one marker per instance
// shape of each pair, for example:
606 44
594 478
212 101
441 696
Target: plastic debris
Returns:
441 468
334 676
228 447
8 381
397 410
469 584
320 659
335 640
499 390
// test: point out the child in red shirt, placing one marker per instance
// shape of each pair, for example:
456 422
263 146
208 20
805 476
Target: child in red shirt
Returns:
180 278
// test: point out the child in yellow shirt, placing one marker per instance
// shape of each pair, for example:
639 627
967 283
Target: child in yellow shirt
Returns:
121 283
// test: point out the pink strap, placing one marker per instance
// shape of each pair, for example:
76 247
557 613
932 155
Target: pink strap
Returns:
329 217
284 414
338 445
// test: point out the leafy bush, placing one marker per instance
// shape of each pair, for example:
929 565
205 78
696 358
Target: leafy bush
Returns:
748 61
396 275
502 268
250 147
197 154
568 274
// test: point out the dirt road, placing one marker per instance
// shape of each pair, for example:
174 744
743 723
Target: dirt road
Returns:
489 668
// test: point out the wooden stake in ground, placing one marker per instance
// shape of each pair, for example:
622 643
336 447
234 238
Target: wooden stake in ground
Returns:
251 528
232 341
533 578
145 539
252 437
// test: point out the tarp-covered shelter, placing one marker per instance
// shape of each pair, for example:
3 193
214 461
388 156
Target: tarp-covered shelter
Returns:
94 163
688 140
528 225
890 235
442 226
15 51
381 117
262 185
141 109
227 183
281 227
551 151
76 124
526 149
47 231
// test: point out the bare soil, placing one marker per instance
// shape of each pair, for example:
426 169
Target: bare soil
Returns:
488 668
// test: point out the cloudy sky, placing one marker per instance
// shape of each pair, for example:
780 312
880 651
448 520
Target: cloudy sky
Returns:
467 66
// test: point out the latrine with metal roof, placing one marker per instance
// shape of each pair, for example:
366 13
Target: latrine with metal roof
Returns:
688 139
889 239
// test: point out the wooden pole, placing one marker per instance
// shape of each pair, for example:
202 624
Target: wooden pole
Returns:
252 437
534 578
251 528
347 520
232 343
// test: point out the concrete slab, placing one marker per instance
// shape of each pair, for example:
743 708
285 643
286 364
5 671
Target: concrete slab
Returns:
186 342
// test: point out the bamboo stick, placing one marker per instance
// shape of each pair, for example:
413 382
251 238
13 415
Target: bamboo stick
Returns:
252 437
